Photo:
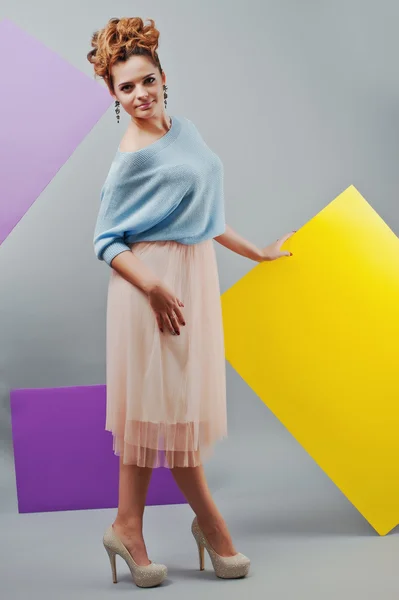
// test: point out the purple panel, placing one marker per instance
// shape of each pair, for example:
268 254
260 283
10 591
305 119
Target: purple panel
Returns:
47 107
63 456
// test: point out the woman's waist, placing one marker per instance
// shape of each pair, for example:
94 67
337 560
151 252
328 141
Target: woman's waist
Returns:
161 239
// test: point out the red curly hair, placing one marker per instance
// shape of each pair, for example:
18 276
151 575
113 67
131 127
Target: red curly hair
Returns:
118 41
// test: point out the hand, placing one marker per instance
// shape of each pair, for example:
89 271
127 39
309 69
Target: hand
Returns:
273 251
167 308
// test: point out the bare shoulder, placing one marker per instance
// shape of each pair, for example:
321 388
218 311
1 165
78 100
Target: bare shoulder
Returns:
128 144
131 143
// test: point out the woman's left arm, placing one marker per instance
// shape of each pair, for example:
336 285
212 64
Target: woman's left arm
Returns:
233 241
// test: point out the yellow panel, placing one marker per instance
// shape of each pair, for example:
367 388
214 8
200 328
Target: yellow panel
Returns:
316 337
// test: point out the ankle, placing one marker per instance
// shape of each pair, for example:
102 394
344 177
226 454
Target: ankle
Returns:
212 524
129 522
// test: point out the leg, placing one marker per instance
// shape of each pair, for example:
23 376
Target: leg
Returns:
128 525
193 484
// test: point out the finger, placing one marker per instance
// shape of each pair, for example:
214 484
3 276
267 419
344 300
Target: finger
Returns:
179 302
283 253
159 321
175 322
179 315
168 324
287 236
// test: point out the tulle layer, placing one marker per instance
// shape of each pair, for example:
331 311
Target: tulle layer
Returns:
166 395
162 444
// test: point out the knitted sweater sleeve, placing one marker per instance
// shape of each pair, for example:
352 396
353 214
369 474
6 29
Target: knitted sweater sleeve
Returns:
135 201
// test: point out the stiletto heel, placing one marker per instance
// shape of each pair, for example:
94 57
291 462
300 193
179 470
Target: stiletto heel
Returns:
148 576
201 554
229 567
112 560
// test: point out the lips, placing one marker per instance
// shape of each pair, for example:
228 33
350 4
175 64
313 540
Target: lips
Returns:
145 105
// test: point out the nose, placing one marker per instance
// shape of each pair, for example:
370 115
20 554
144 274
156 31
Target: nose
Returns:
142 93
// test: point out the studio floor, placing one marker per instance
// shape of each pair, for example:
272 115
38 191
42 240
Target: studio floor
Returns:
324 554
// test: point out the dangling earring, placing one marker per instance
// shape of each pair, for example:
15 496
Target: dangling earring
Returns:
165 95
117 110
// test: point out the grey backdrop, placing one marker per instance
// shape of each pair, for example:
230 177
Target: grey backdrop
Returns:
300 100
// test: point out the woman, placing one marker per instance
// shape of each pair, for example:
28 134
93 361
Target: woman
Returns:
161 207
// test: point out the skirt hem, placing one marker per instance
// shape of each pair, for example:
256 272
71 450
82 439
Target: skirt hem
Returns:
152 458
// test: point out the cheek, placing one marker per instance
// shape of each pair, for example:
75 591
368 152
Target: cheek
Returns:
127 100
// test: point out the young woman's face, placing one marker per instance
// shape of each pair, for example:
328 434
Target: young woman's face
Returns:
137 82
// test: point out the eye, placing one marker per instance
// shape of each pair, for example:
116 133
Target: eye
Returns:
129 86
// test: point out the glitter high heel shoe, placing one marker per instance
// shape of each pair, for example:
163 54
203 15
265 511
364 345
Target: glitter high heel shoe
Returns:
148 576
230 567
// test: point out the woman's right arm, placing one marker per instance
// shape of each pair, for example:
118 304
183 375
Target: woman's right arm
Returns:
163 302
135 271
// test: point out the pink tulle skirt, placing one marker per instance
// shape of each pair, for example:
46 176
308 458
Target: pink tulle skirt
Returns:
166 394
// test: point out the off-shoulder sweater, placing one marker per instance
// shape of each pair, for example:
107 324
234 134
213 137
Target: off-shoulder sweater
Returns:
171 189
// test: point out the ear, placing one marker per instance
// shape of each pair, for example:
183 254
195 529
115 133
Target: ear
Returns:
112 94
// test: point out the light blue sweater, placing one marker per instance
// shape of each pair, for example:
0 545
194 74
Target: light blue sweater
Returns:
169 190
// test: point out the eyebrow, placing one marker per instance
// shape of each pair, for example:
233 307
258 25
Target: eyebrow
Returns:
125 82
